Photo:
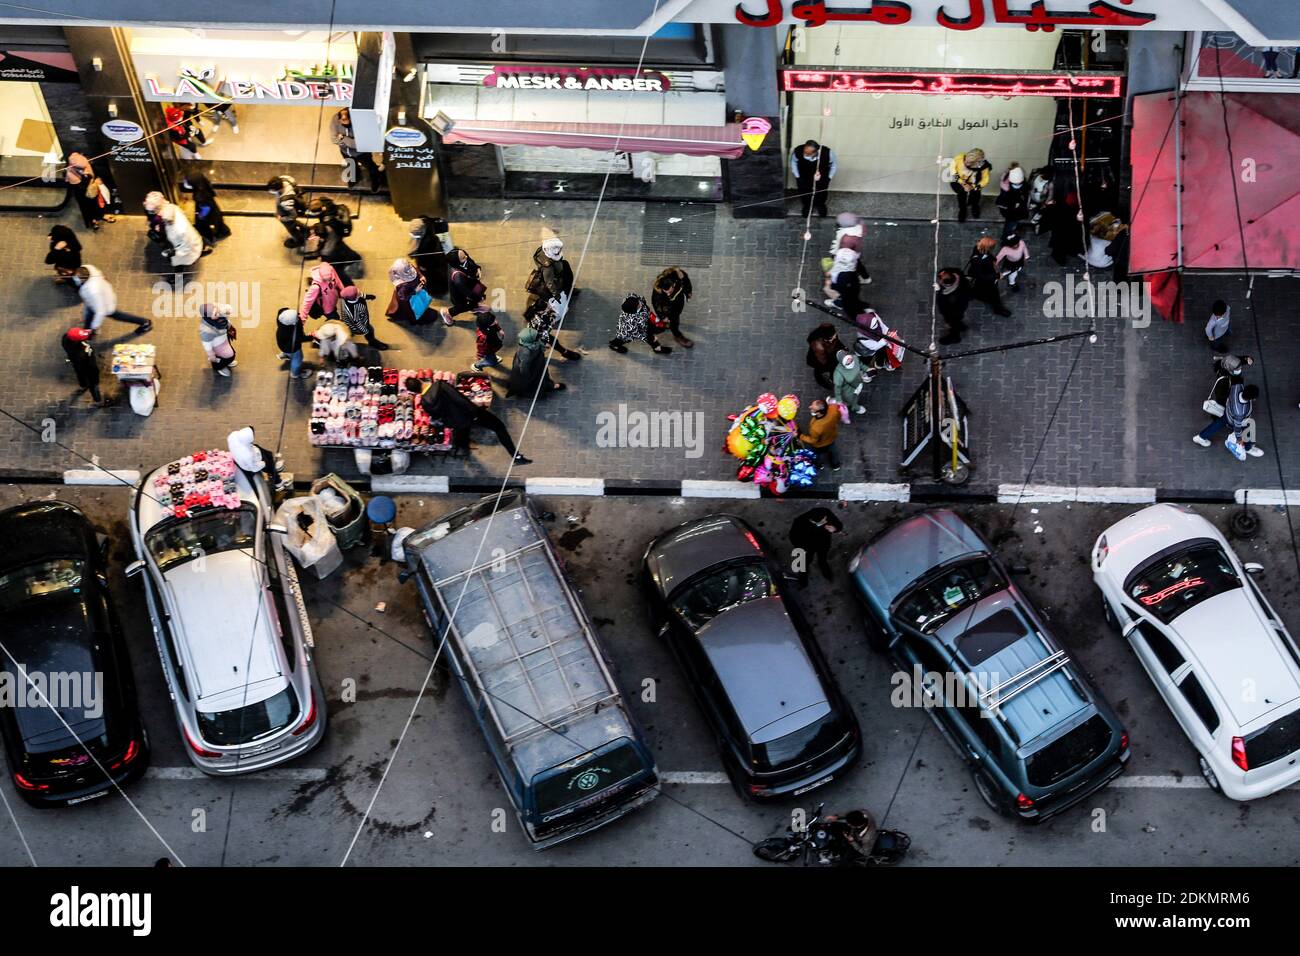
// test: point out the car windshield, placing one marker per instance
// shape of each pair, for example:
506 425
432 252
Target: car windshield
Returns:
1171 585
229 728
705 598
174 543
39 580
588 780
929 605
804 744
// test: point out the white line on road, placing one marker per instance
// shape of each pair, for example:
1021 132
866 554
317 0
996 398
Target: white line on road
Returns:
693 776
1187 782
292 774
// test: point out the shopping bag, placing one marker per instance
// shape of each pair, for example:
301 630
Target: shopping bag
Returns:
420 300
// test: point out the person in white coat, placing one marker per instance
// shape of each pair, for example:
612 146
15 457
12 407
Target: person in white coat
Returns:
336 342
99 301
185 242
253 459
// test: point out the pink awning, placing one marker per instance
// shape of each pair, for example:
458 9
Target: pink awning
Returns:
1266 149
721 141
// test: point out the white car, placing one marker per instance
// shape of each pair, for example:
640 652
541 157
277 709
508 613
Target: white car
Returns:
1212 644
231 628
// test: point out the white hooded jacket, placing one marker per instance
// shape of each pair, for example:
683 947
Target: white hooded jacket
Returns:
243 450
186 243
97 295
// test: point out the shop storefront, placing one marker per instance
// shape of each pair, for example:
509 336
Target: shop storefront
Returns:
283 92
43 113
1015 95
552 115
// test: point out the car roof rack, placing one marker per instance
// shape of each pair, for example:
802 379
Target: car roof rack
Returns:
1000 693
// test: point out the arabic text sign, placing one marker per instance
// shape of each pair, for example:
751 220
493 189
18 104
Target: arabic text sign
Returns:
1095 86
1033 15
616 79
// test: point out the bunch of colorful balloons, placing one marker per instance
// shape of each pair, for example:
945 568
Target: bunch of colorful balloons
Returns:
766 440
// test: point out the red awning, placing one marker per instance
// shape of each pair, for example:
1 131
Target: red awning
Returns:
721 141
1265 130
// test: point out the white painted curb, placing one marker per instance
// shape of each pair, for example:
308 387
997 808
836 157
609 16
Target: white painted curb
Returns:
1055 494
409 484
565 486
100 476
1268 496
875 491
699 488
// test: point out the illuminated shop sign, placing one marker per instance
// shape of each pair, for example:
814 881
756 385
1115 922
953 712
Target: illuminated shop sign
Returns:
332 82
1078 85
968 15
583 78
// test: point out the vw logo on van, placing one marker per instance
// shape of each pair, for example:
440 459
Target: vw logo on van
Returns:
588 780
405 136
122 131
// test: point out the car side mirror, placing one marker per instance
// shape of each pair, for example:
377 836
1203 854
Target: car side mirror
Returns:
1253 567
134 568
277 529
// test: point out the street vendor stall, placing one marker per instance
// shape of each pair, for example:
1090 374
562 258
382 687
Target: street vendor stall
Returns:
766 439
370 408
135 365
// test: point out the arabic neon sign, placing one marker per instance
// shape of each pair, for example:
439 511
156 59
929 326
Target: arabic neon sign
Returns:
813 13
1081 86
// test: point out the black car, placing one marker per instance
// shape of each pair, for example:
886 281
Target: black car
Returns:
68 714
717 598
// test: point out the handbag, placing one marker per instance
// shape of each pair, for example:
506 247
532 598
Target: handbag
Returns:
92 187
420 300
1210 406
656 323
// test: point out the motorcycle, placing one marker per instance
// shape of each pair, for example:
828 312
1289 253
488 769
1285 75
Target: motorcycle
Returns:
851 840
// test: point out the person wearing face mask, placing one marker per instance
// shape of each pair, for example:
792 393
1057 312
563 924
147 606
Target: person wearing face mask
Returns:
849 381
813 167
1013 197
552 276
969 174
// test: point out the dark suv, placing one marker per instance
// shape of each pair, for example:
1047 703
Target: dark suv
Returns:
980 660
750 657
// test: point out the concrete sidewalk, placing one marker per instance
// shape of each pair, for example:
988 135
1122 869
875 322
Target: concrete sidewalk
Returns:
1120 411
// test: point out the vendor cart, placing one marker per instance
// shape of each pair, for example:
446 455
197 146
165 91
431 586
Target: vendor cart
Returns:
135 366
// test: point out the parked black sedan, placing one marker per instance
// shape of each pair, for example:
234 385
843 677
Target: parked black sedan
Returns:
717 598
68 714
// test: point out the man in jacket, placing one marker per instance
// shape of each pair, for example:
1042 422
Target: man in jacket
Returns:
823 429
813 167
970 174
289 338
288 207
551 278
951 298
444 403
1237 414
668 298
811 534
344 137
99 301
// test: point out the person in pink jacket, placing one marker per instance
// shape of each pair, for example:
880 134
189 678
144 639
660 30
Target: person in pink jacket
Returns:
321 300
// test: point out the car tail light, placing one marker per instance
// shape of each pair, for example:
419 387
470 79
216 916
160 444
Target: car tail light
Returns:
756 788
201 751
1123 741
749 536
132 751
25 784
1023 802
1239 753
309 720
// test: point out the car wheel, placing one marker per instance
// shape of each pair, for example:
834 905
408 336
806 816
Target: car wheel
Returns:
989 794
1108 613
1209 776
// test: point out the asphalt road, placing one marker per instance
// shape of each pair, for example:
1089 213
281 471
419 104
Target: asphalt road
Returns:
436 803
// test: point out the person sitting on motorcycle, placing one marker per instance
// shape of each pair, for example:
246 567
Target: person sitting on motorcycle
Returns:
852 835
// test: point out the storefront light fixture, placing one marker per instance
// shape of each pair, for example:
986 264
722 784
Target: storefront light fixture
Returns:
401 116
112 109
931 82
97 64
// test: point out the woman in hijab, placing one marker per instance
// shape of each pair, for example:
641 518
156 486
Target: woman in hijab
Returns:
529 368
407 284
216 335
849 381
64 254
183 240
80 177
427 254
208 219
844 284
551 278
542 321
823 345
